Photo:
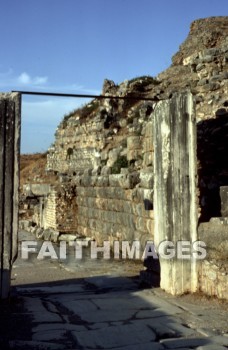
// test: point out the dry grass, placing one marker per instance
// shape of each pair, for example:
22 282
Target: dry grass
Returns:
32 169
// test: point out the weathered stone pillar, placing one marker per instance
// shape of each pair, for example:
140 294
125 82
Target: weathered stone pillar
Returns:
175 178
10 116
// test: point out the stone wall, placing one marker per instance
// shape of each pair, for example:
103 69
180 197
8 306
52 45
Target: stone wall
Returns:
213 279
115 207
213 271
201 64
56 209
82 144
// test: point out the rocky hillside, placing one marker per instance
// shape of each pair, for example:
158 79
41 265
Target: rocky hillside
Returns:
113 134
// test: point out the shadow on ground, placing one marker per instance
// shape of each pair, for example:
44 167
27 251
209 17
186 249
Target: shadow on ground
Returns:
100 312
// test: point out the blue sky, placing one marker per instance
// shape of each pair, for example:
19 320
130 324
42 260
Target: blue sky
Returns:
73 45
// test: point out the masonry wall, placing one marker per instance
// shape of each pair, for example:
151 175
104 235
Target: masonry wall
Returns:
115 207
213 279
213 271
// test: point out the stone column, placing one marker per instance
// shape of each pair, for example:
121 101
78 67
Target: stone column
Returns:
10 116
175 207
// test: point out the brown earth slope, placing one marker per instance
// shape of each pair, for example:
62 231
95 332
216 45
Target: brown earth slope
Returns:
32 169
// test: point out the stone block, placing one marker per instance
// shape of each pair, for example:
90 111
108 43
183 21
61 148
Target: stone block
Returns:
115 180
217 77
207 59
148 145
200 66
134 143
211 52
25 225
129 221
104 155
106 170
125 181
96 171
124 171
127 207
139 209
211 86
54 236
47 234
215 237
36 189
89 192
148 159
123 232
146 180
150 226
77 180
80 191
102 203
149 130
133 179
91 202
67 237
39 232
112 205
80 201
113 156
224 75
134 154
92 224
86 181
202 82
107 192
88 172
141 224
141 194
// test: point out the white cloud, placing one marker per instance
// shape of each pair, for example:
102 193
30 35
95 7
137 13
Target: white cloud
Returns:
10 81
41 115
25 79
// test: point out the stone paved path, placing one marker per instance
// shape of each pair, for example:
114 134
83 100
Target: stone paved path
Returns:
67 310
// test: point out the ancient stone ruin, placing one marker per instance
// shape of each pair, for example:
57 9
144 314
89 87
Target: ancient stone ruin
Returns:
103 157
